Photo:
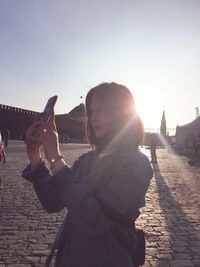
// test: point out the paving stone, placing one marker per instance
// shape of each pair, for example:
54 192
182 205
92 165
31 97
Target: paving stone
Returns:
181 263
159 263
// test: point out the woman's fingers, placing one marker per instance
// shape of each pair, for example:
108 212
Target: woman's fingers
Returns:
42 132
35 132
49 125
51 122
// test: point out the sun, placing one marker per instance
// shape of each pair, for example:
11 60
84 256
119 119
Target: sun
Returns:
150 109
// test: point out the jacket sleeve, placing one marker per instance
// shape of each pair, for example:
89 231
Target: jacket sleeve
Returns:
40 177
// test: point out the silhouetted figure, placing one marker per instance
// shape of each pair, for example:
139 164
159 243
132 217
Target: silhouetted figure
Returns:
153 148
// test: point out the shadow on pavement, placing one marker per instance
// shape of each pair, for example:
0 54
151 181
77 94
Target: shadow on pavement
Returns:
184 240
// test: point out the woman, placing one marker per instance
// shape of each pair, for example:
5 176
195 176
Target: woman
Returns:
115 174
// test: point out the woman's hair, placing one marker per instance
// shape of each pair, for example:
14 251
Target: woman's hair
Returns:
128 128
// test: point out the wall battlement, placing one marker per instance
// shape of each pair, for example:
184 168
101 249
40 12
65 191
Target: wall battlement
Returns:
15 109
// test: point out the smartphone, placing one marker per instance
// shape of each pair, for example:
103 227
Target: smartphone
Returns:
48 108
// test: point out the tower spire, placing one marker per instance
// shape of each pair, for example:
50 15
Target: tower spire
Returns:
163 127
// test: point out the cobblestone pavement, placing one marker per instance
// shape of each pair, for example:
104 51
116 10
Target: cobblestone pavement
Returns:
171 218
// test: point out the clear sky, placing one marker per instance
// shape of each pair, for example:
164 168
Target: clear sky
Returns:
65 47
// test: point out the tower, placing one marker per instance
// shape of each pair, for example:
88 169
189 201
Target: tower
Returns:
163 127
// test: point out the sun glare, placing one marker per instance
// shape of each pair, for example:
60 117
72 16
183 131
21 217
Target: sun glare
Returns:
150 109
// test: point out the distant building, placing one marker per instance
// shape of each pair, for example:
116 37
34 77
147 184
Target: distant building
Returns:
71 126
163 127
187 135
77 113
70 129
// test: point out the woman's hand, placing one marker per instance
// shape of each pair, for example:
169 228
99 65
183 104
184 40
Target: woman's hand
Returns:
50 139
33 142
42 133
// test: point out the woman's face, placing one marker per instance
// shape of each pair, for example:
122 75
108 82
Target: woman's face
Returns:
101 117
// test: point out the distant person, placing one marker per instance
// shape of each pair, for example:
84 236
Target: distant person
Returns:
104 189
5 135
153 146
2 151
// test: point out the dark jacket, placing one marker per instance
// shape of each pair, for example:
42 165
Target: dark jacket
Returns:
87 239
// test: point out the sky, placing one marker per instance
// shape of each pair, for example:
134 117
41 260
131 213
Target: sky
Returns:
66 47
